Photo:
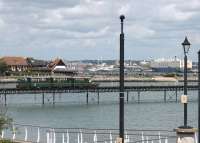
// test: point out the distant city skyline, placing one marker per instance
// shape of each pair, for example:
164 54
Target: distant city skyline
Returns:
89 29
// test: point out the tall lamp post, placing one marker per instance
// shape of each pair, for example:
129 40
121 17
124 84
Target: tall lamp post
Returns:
199 96
121 94
186 46
185 133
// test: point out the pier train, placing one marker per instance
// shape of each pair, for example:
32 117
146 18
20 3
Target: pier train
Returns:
55 83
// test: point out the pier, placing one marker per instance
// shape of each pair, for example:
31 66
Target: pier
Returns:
98 90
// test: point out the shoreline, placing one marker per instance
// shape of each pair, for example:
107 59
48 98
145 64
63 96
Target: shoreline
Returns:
103 78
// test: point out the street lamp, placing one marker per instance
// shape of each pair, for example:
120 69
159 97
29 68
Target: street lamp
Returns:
121 76
186 46
185 133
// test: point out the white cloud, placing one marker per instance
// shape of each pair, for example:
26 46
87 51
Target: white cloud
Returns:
172 13
192 5
84 9
124 9
139 31
2 24
88 43
1 4
195 38
90 34
85 22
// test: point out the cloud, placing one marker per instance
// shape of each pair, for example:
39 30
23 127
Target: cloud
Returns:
84 9
124 9
139 31
192 5
77 24
88 43
2 24
172 13
195 38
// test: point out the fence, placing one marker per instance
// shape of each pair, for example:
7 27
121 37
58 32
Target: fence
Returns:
39 134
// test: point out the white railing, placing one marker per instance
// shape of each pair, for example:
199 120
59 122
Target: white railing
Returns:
38 134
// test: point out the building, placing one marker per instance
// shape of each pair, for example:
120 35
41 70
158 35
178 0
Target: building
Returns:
35 63
169 65
16 64
58 66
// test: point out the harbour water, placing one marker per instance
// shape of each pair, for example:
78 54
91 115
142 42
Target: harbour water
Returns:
71 110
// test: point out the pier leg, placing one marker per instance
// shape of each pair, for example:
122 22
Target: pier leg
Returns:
98 96
176 92
53 98
43 98
35 98
138 96
165 96
87 97
59 96
5 99
127 96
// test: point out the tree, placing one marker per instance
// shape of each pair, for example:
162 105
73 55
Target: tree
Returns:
5 121
3 68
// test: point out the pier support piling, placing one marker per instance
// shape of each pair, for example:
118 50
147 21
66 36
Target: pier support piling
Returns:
98 96
127 96
53 98
87 97
5 99
165 96
176 92
138 96
43 98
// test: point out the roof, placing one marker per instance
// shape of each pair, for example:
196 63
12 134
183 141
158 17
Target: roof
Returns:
36 63
56 62
15 61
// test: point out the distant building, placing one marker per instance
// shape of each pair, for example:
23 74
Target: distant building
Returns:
35 63
169 65
75 66
58 66
16 64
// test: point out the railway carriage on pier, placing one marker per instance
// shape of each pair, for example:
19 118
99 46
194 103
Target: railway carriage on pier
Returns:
55 83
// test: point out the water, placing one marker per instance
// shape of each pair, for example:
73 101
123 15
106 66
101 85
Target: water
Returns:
71 111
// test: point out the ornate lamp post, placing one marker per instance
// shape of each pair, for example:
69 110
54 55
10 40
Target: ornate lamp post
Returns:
185 133
186 46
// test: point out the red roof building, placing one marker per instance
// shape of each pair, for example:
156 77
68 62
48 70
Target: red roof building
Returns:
16 63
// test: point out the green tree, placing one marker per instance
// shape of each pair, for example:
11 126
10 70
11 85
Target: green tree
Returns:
3 68
5 122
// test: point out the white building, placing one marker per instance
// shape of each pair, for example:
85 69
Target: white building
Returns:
169 65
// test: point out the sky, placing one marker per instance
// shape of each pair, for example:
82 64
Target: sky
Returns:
89 29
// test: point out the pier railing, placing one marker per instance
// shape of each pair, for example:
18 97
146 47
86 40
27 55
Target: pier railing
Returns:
41 134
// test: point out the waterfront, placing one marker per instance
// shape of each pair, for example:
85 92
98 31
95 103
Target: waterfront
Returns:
152 116
71 111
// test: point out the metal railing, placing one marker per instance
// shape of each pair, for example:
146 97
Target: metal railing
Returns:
41 134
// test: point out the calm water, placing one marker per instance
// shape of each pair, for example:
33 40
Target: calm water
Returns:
71 111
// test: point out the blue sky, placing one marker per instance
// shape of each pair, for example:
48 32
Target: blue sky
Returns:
89 29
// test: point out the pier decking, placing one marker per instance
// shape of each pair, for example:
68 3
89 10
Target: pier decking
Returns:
102 88
97 89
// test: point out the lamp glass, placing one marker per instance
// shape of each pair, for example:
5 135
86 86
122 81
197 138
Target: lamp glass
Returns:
186 48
